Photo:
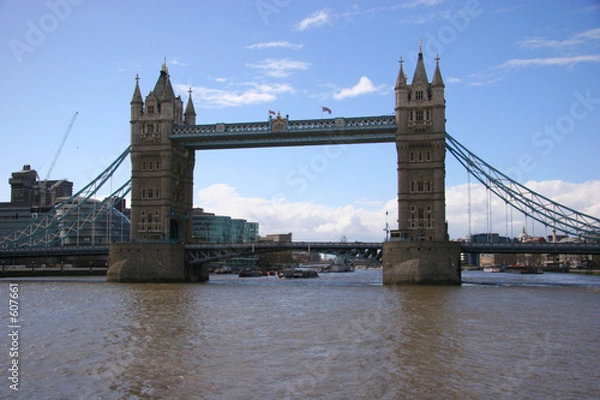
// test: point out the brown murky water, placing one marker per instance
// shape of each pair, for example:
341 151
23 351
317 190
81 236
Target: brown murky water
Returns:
340 336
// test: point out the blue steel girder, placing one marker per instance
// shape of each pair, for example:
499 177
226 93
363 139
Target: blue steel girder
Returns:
282 132
47 228
538 207
205 253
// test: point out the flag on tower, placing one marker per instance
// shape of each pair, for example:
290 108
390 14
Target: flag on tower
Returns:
271 112
327 110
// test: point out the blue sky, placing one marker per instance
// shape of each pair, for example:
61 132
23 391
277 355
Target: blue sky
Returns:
522 90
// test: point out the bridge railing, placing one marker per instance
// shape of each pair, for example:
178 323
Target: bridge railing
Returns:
291 126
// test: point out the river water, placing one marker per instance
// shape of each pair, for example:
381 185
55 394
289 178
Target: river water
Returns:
339 336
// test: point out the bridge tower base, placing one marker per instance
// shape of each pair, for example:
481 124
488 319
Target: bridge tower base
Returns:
151 262
421 263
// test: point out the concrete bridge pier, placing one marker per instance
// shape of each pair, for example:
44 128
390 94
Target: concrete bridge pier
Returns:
147 262
422 262
197 272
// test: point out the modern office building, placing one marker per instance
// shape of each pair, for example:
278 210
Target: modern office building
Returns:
211 228
81 223
100 226
40 195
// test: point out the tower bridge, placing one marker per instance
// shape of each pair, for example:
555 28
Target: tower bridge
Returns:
165 137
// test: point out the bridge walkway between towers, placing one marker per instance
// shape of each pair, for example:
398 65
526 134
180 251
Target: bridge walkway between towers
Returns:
279 132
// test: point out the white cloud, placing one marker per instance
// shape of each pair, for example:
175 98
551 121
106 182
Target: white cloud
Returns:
569 61
591 34
280 68
179 63
426 3
364 86
421 19
583 197
536 43
315 20
307 220
280 44
312 221
498 72
252 93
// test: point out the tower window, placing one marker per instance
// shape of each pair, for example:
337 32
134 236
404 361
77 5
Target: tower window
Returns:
419 115
428 156
150 110
419 95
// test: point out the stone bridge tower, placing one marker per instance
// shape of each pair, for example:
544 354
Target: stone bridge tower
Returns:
161 171
161 189
419 250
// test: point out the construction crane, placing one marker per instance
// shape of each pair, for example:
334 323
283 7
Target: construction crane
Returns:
62 143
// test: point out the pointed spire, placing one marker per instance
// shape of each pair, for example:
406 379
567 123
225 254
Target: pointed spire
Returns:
190 112
137 94
401 81
420 73
437 75
163 88
164 66
168 93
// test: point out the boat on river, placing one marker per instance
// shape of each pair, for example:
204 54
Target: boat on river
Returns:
250 274
297 273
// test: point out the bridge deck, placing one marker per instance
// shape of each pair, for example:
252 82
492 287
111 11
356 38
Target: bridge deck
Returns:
198 253
281 132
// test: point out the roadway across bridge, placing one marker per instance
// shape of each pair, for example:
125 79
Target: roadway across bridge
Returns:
209 252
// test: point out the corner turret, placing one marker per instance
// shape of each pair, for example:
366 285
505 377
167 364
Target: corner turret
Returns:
190 113
137 103
437 85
